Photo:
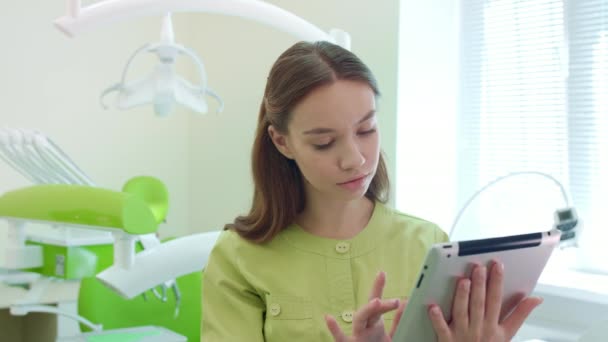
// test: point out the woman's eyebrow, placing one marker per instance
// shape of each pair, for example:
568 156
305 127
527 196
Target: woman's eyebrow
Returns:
368 116
322 130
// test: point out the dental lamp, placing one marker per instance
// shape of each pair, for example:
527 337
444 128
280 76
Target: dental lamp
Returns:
126 215
163 88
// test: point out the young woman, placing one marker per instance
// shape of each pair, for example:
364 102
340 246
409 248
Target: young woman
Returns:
320 257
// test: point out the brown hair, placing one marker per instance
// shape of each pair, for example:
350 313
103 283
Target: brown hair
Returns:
278 186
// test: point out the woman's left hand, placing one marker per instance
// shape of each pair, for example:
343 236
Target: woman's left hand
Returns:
368 325
476 310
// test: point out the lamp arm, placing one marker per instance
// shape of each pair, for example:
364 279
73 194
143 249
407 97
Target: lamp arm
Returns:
106 12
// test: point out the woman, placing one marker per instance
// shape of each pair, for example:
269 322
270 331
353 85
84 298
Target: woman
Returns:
319 242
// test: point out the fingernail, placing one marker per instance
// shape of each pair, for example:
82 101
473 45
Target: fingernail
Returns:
435 311
482 272
500 268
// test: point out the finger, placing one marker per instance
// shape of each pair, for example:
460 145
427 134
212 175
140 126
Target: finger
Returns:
516 319
334 329
439 324
460 305
494 296
397 318
371 313
378 286
385 306
360 321
478 298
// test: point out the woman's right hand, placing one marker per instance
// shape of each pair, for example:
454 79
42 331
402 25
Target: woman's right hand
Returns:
476 310
368 325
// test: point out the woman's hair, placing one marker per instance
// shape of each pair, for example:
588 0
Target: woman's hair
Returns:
278 185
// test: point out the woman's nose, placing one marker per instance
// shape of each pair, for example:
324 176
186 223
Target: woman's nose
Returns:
351 156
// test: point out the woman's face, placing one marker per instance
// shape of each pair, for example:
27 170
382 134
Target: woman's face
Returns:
333 137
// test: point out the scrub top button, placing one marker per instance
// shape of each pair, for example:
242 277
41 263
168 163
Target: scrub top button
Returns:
347 316
342 247
275 309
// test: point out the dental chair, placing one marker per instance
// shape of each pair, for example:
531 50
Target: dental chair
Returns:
118 270
179 311
124 285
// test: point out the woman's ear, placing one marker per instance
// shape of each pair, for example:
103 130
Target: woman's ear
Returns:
280 142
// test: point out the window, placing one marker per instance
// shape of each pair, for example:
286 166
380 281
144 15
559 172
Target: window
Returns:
535 98
532 95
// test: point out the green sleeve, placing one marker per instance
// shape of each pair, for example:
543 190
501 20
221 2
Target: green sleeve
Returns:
232 309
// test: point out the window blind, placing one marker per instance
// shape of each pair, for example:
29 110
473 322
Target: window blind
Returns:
534 97
587 34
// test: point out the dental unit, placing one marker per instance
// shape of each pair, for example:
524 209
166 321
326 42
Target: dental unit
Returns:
127 216
66 201
62 187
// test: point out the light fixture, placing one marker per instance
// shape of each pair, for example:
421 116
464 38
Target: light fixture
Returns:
163 87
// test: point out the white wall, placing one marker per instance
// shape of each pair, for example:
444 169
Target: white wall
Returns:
52 83
427 105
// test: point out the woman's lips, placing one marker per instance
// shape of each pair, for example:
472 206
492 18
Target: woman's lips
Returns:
355 183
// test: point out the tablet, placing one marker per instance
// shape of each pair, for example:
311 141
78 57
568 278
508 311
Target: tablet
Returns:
523 256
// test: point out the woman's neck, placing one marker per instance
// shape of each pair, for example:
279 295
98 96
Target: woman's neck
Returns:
336 219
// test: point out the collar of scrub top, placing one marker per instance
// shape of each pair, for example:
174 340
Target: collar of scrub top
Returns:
162 87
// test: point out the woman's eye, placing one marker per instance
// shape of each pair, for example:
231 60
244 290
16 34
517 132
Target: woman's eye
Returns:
367 132
321 147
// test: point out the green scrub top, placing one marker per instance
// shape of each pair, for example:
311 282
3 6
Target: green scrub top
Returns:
281 290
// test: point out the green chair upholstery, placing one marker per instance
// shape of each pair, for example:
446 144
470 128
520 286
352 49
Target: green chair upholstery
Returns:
101 305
